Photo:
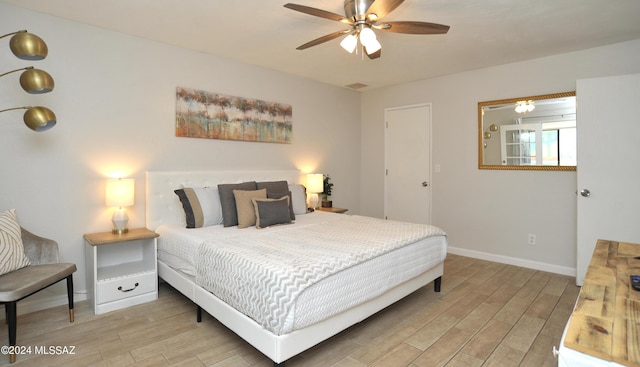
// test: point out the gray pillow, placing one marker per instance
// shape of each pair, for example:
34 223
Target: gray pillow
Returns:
228 201
273 186
270 212
278 195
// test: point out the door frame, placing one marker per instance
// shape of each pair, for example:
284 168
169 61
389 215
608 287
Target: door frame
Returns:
429 160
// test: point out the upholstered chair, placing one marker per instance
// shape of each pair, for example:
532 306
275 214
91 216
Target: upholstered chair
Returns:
44 271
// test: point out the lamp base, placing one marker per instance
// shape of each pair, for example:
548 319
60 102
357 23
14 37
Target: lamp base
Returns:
314 200
119 220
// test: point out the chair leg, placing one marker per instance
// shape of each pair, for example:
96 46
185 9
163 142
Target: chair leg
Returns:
13 324
70 296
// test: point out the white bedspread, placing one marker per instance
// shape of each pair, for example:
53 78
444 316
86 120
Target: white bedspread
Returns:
262 273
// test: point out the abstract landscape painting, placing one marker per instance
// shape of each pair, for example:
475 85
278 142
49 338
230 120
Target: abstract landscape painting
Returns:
202 114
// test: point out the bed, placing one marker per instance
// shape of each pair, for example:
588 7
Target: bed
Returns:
285 312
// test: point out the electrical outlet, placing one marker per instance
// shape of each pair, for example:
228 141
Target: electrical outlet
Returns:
532 239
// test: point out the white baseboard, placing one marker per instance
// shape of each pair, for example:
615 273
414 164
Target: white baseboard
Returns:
513 261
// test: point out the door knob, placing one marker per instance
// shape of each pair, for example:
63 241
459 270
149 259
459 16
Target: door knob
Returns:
425 183
586 193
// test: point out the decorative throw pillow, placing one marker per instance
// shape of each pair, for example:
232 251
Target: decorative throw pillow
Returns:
228 201
12 255
246 213
298 198
277 195
270 212
201 206
273 186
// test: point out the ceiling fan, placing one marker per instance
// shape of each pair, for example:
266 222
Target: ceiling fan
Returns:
362 17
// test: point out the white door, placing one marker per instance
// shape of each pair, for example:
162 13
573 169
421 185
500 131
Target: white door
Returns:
408 164
608 171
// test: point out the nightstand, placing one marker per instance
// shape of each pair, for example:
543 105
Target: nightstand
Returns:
121 269
333 210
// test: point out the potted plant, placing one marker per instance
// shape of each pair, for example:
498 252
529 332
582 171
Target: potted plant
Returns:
326 193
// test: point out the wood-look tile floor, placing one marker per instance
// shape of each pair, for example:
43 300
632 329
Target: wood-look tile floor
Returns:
487 314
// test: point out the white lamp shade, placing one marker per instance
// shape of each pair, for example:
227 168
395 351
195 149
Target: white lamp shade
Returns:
315 183
367 37
349 43
373 46
119 192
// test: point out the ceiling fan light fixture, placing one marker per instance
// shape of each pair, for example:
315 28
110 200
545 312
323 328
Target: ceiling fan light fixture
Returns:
363 17
524 106
349 43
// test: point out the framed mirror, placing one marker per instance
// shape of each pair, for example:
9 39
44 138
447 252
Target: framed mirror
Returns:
528 133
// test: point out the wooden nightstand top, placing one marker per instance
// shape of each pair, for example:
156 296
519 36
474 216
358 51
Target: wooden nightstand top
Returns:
105 238
333 210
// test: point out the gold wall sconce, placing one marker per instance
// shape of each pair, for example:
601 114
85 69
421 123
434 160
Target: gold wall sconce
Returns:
28 46
487 133
34 81
37 118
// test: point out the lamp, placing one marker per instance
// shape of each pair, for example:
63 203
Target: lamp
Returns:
349 43
365 35
524 106
27 46
34 81
119 192
369 40
314 187
37 118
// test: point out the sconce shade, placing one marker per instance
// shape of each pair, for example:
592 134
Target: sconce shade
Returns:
27 46
36 81
315 183
119 192
37 118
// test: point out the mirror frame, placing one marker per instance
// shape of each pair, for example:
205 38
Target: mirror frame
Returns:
481 165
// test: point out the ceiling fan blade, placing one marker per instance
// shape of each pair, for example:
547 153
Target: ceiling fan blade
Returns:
414 27
318 12
322 39
383 7
375 55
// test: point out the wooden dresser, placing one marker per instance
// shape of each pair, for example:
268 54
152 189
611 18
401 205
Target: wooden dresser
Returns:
604 327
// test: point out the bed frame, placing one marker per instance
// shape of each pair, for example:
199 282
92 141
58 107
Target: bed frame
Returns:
163 206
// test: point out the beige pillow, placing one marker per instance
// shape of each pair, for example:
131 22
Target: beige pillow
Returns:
12 255
246 213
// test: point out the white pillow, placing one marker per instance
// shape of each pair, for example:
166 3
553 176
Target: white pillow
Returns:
201 206
298 199
12 255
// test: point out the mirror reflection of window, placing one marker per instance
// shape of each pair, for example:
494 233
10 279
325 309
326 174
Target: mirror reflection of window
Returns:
556 141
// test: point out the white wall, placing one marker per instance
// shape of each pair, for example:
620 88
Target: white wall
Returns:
489 214
115 98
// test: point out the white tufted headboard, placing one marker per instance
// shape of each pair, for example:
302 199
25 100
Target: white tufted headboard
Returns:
163 205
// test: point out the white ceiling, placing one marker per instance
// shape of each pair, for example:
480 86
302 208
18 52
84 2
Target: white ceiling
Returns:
264 33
